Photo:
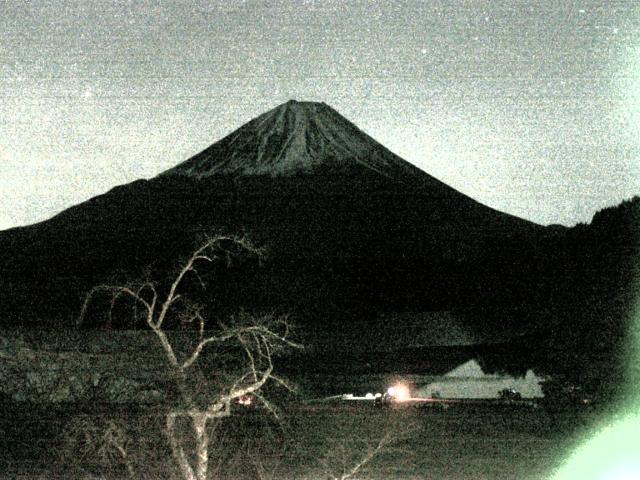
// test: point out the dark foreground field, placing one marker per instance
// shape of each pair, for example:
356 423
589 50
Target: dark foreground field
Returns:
309 441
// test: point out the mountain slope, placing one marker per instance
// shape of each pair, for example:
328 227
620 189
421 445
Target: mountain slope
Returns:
352 231
312 146
295 138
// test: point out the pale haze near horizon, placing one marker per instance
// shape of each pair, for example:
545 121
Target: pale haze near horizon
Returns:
530 108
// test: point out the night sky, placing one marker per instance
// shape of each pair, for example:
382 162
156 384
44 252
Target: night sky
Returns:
531 108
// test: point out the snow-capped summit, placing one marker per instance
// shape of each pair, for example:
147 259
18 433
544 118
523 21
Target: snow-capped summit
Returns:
294 138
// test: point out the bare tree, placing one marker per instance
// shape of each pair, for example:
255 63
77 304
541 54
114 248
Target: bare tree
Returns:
349 459
256 339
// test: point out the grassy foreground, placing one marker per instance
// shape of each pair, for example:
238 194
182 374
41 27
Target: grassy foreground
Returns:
312 441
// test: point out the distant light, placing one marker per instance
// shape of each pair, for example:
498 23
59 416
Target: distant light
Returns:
402 393
399 392
369 396
378 395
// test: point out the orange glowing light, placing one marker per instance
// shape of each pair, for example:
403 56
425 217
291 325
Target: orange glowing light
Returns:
399 392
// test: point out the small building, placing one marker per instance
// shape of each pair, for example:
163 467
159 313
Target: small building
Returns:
469 381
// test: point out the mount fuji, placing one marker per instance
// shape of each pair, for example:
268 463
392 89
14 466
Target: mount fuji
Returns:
353 231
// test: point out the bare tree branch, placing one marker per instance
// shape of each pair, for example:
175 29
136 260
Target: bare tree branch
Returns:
382 443
198 254
258 338
203 343
115 291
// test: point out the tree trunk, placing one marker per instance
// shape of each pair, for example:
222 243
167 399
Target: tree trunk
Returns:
177 450
202 445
